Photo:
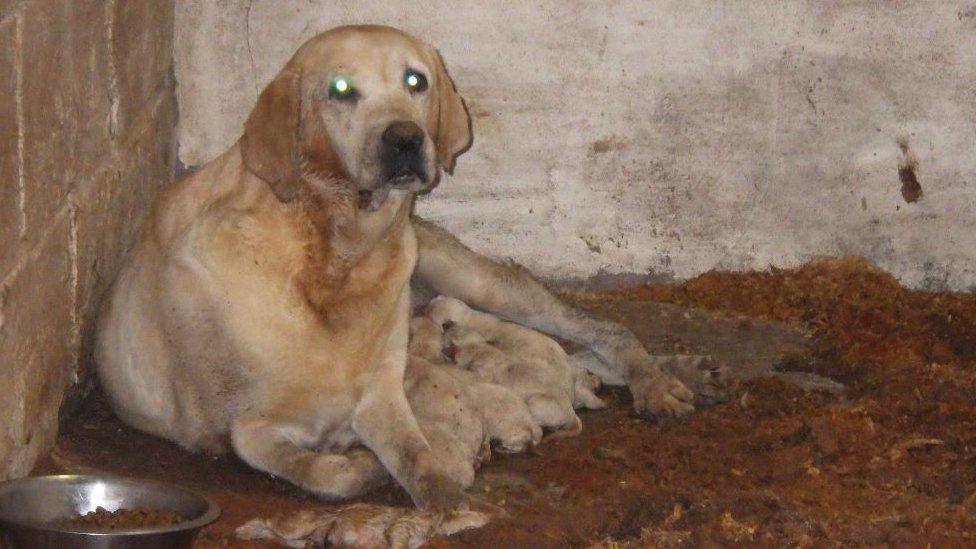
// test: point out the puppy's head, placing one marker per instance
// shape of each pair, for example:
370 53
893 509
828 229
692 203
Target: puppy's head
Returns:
369 107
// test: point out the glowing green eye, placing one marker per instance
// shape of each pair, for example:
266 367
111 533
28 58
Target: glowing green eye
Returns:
341 88
415 81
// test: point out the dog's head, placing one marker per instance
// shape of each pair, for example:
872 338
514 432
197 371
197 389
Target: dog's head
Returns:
369 107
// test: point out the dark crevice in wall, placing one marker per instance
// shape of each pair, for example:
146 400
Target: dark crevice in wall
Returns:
911 188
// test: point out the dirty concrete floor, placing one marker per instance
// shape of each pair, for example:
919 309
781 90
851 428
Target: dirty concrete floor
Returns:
893 463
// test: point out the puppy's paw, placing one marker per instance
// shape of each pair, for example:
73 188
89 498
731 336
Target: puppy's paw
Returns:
588 400
457 335
657 393
509 422
586 384
447 311
516 434
710 380
549 411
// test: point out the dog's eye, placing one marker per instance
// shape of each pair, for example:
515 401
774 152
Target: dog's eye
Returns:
340 88
415 81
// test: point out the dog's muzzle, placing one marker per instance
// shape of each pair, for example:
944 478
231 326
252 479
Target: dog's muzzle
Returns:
402 156
401 160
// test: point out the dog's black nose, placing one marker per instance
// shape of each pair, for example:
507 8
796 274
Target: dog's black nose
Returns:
403 137
402 155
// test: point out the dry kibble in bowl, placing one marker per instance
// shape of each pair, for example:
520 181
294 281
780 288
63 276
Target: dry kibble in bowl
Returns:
122 519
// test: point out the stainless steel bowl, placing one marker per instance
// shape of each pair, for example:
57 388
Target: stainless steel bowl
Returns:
31 509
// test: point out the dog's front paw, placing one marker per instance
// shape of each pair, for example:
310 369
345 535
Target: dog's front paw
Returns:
711 381
433 488
435 491
657 393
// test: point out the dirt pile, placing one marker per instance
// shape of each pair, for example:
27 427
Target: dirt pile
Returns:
861 314
895 463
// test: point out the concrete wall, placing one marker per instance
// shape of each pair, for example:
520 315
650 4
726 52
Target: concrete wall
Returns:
86 138
671 137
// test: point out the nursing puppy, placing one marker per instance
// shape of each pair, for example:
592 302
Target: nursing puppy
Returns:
506 420
531 365
450 417
265 305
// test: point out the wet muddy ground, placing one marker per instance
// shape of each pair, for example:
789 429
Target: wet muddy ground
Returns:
891 463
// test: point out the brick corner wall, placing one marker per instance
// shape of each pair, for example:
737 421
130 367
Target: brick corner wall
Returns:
86 140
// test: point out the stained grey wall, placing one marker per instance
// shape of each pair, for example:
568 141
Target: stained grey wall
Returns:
661 136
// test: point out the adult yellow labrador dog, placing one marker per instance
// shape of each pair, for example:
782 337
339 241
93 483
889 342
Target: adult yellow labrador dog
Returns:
265 306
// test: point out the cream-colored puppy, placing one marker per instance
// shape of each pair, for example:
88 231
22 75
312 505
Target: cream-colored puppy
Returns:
507 422
450 417
543 389
531 365
265 305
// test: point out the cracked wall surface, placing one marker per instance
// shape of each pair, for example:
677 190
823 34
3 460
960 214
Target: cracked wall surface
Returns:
666 137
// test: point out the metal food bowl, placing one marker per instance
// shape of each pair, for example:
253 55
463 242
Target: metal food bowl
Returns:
33 512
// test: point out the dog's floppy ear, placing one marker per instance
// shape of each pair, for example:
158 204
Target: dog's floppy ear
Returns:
270 141
453 123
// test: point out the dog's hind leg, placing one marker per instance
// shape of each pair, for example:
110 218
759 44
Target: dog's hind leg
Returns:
271 447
